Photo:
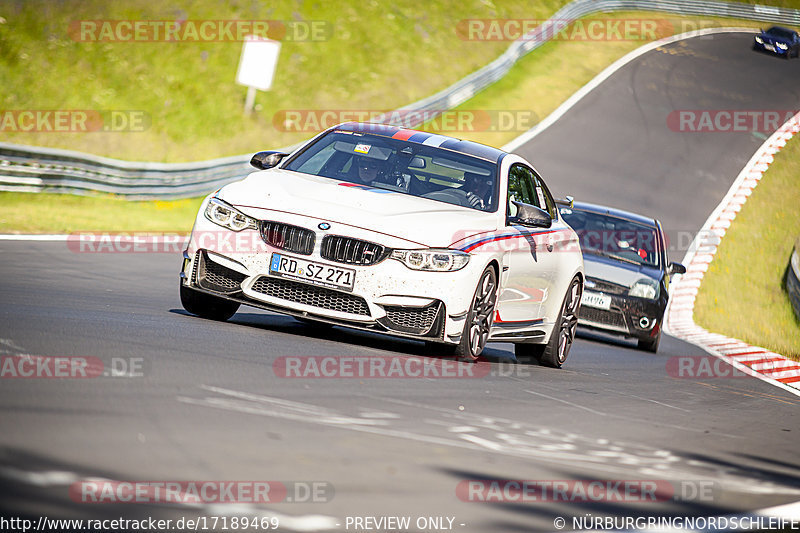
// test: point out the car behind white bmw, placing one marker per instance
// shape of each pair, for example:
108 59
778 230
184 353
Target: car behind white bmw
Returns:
395 231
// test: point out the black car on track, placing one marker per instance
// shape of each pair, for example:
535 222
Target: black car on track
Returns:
627 272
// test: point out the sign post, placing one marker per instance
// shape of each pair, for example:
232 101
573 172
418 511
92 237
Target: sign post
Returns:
257 66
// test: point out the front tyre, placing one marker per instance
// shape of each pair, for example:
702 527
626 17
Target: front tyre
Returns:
556 350
207 306
480 317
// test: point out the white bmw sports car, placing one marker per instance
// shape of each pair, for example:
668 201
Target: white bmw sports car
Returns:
394 231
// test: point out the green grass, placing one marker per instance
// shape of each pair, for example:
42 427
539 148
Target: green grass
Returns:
741 294
380 56
64 213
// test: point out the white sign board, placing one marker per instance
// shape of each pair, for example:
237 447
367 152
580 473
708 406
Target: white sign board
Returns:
258 62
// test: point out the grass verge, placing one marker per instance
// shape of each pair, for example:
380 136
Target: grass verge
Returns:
65 213
742 295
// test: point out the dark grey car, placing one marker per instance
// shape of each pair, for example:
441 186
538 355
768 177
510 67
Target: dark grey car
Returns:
627 272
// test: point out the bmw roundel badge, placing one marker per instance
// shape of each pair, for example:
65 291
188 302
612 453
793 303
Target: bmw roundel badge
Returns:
324 226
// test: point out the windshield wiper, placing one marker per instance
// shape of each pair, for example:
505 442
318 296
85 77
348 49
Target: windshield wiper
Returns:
613 256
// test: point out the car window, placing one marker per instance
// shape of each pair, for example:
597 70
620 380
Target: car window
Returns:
780 32
400 166
314 164
614 237
520 187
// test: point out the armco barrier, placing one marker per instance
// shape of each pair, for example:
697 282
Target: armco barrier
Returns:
28 169
32 169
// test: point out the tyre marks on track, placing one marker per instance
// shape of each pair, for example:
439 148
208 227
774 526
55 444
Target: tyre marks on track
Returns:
402 419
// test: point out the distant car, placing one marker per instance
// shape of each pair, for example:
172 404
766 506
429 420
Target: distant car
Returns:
395 231
782 41
627 272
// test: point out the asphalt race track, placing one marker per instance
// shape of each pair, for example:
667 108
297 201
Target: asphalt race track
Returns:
206 403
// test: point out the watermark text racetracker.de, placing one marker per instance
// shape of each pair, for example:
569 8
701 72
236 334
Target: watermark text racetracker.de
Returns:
763 121
705 367
24 366
620 491
164 242
73 120
390 367
198 31
98 242
200 492
442 120
581 30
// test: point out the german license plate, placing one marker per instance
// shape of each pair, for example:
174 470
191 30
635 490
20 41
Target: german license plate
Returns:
332 277
595 299
769 47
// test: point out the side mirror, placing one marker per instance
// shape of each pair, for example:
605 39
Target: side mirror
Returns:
676 268
531 216
567 201
265 160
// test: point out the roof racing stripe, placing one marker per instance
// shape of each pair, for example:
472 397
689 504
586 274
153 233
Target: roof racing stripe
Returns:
419 137
472 148
403 135
442 141
436 140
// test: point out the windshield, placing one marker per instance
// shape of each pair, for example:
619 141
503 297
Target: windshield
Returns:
614 237
410 168
780 32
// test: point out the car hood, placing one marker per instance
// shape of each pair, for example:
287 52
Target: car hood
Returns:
618 272
419 220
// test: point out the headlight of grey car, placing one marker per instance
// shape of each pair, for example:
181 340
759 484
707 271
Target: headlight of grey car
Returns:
435 260
645 288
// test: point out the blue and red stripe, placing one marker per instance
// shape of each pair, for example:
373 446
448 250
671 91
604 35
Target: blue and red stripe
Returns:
494 238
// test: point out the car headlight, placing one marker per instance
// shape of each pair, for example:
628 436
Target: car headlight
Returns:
227 216
759 40
644 288
782 46
432 259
